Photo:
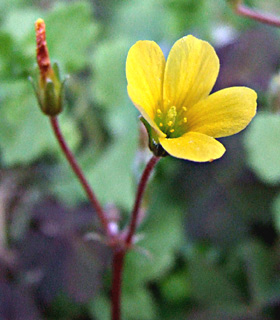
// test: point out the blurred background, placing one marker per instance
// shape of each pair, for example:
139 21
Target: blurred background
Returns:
211 230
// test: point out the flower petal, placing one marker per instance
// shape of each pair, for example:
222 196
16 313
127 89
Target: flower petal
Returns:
144 72
193 146
223 113
191 71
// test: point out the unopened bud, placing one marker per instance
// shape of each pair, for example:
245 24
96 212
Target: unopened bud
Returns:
47 84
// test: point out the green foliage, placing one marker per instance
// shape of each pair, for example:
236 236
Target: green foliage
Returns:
139 304
109 65
260 264
136 20
110 184
262 144
276 211
209 284
163 233
71 31
25 134
176 288
219 212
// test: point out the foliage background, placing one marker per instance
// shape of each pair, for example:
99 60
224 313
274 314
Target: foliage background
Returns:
211 230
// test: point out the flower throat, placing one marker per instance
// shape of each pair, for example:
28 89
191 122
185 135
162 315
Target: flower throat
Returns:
172 122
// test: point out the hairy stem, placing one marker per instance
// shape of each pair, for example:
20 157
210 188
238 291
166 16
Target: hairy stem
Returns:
77 170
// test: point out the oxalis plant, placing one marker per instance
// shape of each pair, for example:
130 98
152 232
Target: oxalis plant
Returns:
180 115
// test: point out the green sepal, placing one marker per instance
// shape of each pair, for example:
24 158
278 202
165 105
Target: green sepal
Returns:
56 70
36 90
52 99
154 144
49 94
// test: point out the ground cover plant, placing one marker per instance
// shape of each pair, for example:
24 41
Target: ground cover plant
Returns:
201 240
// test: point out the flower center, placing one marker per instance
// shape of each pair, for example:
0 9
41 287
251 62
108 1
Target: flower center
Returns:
172 122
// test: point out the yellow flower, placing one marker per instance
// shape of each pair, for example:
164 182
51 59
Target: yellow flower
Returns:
173 98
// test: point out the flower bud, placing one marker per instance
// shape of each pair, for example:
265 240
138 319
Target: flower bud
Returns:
47 84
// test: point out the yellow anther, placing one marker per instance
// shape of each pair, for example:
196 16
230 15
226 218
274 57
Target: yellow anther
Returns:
159 111
185 119
170 123
184 108
172 130
160 124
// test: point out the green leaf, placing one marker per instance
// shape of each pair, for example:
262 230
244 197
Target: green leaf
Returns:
109 65
136 20
110 174
12 52
259 267
25 133
162 233
70 32
262 142
209 284
176 288
138 304
100 308
276 212
20 23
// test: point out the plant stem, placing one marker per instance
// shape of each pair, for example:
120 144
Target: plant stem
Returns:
120 252
117 267
139 195
258 16
77 170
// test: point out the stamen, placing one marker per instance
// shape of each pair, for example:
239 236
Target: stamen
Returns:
184 108
172 113
159 111
171 116
185 120
161 124
172 130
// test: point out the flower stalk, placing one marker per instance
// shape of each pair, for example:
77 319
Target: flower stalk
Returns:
48 88
138 199
120 252
245 11
117 269
79 173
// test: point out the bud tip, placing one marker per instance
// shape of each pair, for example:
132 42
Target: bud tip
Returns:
43 59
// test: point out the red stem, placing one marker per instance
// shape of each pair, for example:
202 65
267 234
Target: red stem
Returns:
74 165
118 264
119 253
258 16
139 195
